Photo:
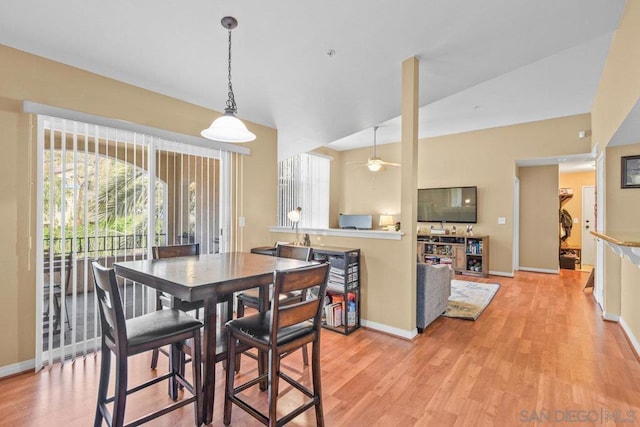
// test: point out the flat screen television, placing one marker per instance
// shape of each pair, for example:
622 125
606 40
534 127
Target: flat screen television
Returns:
451 204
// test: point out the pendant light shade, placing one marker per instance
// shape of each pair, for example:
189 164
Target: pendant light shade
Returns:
229 128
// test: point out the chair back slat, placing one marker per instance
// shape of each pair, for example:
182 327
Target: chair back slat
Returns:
308 309
302 253
172 251
110 304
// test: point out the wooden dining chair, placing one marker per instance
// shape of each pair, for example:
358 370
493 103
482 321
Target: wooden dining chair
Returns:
278 331
251 298
164 300
126 338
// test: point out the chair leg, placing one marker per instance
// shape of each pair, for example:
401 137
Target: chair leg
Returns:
317 386
105 368
273 383
174 368
231 351
305 355
239 314
196 365
56 313
154 358
120 397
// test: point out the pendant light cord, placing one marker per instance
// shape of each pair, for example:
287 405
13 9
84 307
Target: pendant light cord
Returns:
231 102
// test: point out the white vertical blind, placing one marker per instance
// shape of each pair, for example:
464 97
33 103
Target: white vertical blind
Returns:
303 181
110 194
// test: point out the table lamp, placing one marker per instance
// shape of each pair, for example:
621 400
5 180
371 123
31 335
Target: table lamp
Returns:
386 222
294 217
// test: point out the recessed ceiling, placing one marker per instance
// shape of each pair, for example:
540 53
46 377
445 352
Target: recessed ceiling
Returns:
482 64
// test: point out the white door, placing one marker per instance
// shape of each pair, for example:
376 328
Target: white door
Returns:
588 224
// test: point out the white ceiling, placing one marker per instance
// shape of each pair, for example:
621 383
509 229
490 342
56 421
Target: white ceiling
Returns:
482 63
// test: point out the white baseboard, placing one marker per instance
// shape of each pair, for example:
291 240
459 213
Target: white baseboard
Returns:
502 273
630 335
611 317
17 368
540 270
400 333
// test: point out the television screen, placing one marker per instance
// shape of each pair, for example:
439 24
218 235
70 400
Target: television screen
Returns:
452 204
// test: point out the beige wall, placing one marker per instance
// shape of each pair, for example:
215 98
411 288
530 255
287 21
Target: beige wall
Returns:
629 296
618 93
619 89
575 181
621 215
28 77
539 218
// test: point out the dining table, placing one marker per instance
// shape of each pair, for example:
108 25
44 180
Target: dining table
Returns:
208 278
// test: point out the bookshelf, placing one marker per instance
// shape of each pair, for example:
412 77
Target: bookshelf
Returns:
465 254
342 302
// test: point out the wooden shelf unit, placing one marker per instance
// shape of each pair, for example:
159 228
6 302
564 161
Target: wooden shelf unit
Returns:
466 254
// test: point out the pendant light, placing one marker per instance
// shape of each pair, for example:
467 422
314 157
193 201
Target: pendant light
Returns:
229 128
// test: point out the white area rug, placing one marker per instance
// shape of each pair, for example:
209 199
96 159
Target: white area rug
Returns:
469 299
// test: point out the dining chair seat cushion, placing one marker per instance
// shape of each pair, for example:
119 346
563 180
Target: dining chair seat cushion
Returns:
257 326
158 325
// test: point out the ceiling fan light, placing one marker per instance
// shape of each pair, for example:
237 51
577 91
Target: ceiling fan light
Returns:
374 165
228 128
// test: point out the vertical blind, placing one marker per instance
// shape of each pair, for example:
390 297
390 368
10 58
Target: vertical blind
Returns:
110 194
303 181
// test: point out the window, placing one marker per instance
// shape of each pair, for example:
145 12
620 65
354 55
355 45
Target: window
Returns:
303 181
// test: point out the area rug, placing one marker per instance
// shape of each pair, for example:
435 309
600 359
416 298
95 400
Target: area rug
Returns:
469 299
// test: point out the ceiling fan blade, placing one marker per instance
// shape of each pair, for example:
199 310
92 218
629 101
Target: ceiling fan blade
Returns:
390 163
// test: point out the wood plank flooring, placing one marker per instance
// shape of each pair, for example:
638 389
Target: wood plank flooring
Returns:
540 354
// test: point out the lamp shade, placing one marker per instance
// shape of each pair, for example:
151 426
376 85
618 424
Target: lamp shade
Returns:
228 128
386 220
294 215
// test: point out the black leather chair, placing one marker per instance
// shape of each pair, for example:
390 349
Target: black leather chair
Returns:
279 331
250 298
126 338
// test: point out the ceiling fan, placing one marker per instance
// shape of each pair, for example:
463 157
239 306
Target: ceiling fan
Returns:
375 163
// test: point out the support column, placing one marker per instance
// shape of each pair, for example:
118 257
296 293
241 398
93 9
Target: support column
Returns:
408 175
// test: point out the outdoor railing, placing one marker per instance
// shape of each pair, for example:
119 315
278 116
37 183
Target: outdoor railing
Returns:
98 245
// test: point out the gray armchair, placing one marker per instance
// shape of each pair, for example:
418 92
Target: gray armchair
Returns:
434 289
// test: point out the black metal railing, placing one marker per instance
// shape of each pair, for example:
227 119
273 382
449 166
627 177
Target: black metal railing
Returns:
99 245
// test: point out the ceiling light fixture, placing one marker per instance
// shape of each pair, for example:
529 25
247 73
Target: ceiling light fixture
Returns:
375 163
229 128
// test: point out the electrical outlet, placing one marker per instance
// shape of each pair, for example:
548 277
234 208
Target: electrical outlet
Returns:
241 221
502 220
576 220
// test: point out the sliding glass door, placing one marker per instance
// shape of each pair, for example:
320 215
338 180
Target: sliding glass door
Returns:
109 195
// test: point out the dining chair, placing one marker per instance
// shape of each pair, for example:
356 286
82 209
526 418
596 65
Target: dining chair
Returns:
126 338
251 298
58 270
164 300
276 332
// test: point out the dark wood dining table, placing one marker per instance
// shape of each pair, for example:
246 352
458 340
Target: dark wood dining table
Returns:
208 277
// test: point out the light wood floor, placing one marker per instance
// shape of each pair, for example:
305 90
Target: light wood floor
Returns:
539 354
